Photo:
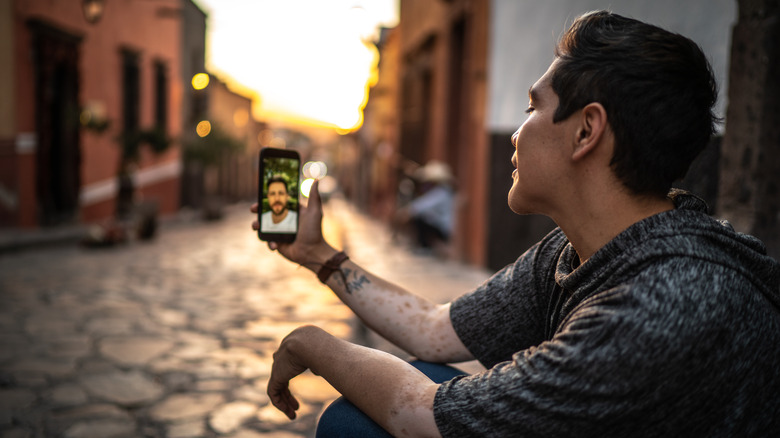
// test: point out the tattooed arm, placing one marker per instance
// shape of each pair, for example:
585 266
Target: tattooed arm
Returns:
421 328
413 323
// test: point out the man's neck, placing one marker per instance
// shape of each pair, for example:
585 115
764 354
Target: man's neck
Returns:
591 225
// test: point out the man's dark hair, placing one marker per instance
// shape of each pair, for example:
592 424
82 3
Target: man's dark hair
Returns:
656 86
278 179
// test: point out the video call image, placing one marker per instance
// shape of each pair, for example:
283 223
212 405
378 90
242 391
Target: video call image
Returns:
280 200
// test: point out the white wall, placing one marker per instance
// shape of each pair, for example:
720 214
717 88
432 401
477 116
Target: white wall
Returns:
523 34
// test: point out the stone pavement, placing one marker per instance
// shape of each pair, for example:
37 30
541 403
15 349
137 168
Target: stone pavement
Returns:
174 338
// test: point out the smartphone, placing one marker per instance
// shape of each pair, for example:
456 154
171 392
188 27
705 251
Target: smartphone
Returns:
278 195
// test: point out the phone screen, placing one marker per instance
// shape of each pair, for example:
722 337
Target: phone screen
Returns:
278 200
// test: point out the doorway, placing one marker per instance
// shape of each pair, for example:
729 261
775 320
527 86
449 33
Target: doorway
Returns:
58 162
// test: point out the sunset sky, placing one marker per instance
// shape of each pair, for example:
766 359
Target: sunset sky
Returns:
304 58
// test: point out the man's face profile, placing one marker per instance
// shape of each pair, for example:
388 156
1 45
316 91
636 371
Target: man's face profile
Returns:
277 198
540 150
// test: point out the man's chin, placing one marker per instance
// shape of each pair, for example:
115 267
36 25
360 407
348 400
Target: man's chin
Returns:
518 206
515 210
513 204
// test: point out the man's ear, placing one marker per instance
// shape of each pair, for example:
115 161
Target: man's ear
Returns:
592 126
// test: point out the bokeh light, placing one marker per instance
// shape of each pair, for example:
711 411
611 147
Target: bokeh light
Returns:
315 169
200 81
306 187
204 128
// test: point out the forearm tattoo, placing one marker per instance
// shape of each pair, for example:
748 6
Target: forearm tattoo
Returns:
353 280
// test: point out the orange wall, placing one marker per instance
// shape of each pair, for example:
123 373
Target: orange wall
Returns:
152 29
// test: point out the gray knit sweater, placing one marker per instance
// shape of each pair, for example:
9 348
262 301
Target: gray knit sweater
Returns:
671 329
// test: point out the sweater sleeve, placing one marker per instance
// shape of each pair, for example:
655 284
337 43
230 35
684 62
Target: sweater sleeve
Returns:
558 388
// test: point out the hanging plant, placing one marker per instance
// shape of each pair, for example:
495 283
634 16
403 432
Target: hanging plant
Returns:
90 118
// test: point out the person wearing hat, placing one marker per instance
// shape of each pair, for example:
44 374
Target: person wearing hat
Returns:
432 211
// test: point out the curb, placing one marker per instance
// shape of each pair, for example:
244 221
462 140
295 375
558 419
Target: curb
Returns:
15 240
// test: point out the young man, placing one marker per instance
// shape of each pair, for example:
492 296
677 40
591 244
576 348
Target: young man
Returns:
639 316
279 219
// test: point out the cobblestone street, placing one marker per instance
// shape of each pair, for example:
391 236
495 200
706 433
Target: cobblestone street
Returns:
174 338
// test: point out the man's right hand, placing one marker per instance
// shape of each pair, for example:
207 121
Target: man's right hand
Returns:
309 248
381 312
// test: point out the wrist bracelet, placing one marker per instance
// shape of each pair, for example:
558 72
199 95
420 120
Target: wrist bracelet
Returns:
333 264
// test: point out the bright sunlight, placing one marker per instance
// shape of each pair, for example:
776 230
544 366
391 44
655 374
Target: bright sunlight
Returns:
307 59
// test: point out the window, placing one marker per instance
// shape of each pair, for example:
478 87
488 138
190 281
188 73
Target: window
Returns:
131 91
161 96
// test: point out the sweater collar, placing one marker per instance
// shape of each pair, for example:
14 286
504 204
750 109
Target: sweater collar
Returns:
569 273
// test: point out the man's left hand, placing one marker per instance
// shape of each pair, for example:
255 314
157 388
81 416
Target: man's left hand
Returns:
285 367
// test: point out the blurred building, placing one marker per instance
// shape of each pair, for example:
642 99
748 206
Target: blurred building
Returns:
89 89
214 117
433 75
231 112
378 137
194 101
463 71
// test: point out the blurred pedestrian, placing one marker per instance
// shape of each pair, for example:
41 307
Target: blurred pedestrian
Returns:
432 213
639 316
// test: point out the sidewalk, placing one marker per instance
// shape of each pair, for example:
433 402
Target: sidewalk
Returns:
21 239
14 239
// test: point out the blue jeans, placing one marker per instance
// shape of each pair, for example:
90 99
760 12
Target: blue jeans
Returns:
343 419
